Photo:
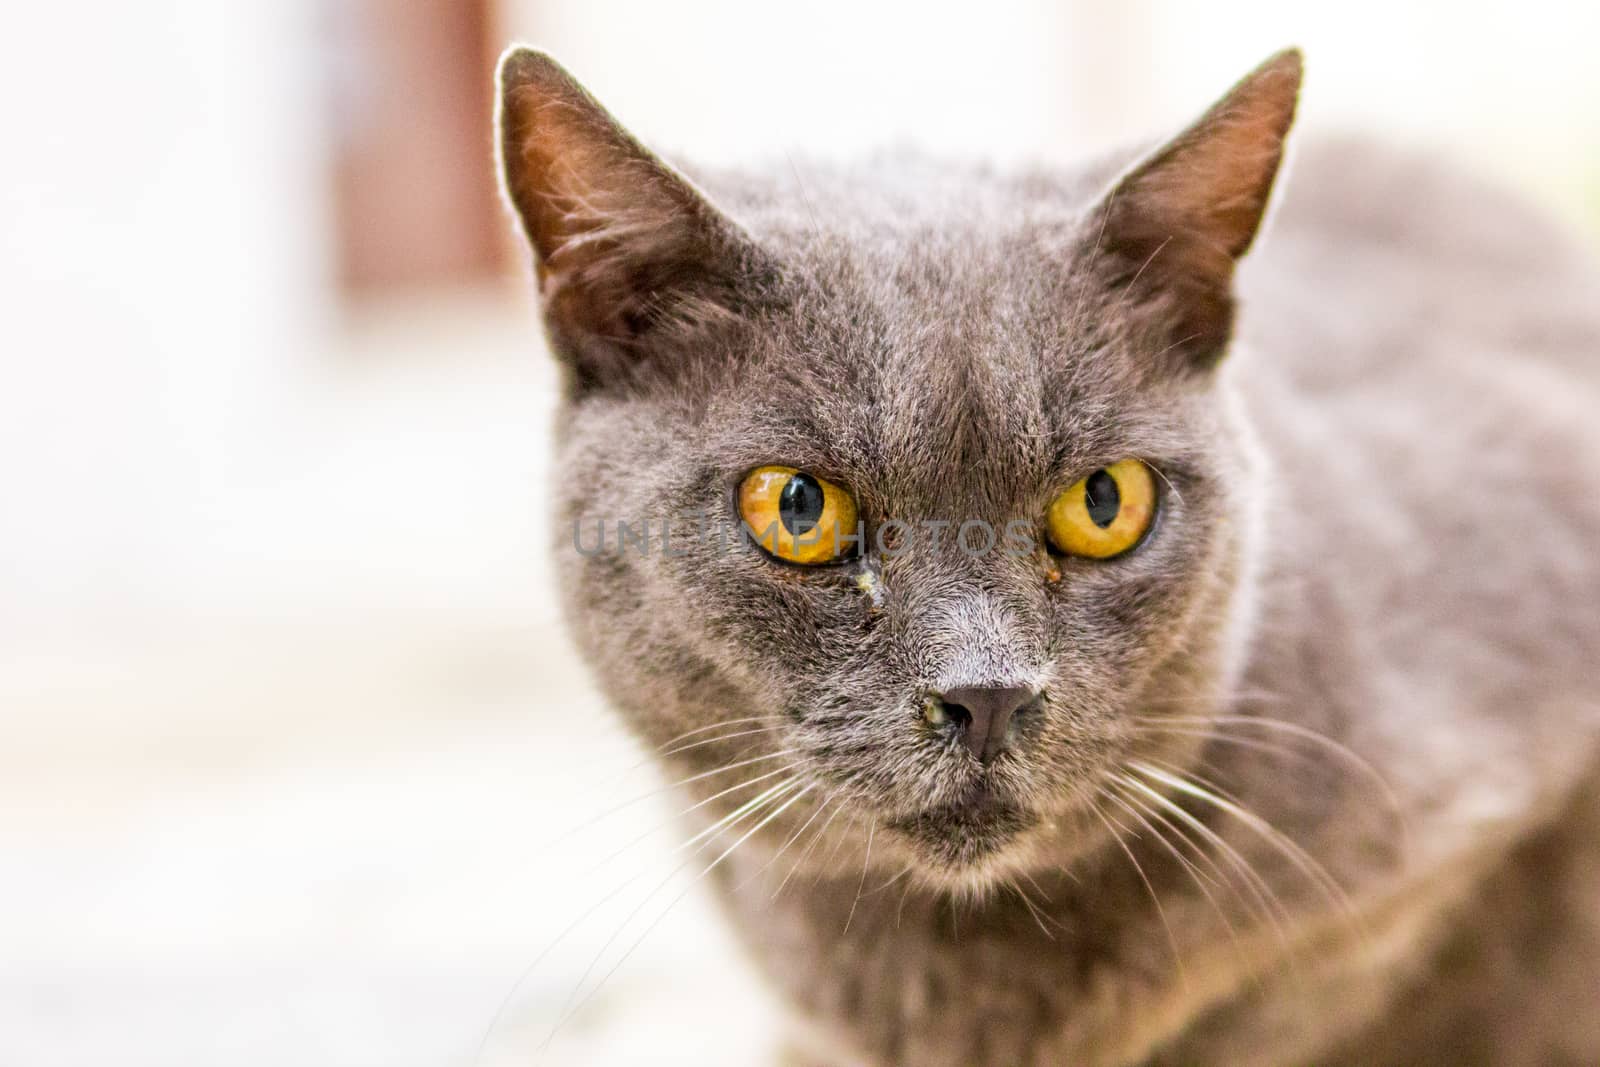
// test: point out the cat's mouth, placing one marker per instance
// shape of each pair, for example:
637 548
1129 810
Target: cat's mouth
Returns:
965 834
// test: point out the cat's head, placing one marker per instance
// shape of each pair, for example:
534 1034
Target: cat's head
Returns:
1011 387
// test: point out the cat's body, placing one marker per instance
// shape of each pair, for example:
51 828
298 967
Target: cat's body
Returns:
1368 619
1421 362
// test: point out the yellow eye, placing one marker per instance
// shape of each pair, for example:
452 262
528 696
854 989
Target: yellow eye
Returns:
1106 513
797 516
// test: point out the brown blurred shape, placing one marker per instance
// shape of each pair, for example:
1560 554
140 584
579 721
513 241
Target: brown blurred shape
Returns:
414 186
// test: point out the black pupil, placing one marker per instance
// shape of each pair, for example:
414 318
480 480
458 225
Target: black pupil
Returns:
1103 498
800 505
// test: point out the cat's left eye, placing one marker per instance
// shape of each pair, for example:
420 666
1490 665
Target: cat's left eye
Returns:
798 517
1105 514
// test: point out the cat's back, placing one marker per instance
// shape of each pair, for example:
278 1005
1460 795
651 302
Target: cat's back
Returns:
1375 249
1420 355
1399 311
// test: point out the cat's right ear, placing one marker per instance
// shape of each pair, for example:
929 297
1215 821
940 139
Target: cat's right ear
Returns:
632 261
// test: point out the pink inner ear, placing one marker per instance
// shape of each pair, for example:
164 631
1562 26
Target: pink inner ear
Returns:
634 266
1213 181
1174 226
578 181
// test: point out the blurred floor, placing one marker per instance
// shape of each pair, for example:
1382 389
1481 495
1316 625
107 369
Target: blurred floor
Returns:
317 828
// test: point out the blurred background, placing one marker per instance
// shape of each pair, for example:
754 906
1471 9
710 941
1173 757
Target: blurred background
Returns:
289 732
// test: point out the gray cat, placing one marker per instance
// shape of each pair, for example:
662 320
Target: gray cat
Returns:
1098 654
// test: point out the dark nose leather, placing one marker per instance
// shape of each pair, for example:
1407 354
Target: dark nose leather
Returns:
984 713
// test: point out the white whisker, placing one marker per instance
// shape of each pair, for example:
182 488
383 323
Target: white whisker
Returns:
1134 807
792 839
815 839
1172 939
666 788
658 827
718 739
575 1008
1266 898
865 861
732 817
1032 910
717 726
1307 864
1305 733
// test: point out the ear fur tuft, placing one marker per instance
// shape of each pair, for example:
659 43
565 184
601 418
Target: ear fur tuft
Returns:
625 248
1174 224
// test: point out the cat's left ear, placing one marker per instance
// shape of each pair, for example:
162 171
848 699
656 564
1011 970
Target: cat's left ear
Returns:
633 262
1168 234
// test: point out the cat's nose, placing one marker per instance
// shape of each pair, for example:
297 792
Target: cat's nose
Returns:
983 714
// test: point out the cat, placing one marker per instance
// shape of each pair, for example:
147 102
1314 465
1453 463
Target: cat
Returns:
1272 738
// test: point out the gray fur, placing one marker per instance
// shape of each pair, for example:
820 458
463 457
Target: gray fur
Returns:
1378 528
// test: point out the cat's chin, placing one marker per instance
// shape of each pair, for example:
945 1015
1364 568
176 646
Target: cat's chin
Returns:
963 845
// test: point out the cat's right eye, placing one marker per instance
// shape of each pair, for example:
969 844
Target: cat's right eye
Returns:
798 517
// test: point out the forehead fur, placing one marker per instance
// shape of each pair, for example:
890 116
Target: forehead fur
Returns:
933 320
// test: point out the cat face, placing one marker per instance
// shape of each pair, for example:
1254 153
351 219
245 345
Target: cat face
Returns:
952 353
